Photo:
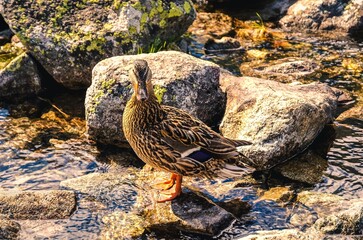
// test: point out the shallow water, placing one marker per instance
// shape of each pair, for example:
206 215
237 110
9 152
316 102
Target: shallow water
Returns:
39 152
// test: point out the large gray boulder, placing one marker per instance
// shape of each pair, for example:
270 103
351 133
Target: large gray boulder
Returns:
339 15
70 37
180 80
280 120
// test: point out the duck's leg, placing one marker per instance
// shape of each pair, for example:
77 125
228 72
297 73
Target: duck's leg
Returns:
167 184
178 182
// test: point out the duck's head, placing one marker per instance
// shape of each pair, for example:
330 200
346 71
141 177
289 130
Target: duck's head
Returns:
140 76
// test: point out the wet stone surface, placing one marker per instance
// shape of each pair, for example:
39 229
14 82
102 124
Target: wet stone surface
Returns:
40 148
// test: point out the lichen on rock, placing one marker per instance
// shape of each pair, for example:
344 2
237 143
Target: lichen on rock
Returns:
70 37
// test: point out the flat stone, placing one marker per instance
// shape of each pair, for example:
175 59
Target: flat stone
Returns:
112 189
47 204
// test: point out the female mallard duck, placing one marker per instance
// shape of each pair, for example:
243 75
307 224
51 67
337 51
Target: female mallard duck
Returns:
170 139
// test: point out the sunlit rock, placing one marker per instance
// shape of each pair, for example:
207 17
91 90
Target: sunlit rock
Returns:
336 214
211 25
337 15
9 229
349 221
69 37
19 77
280 120
180 80
52 204
277 194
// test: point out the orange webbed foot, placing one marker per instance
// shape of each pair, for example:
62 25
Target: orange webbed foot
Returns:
167 184
177 181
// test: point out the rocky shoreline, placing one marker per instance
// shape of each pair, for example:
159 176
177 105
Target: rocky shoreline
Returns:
290 121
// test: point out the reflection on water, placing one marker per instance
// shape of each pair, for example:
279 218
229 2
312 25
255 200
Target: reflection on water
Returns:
344 175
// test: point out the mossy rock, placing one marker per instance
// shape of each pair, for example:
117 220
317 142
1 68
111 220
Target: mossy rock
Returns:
70 37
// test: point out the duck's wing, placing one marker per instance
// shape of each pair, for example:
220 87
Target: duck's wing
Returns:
182 130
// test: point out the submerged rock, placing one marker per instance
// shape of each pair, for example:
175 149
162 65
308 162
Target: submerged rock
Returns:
9 229
19 78
51 204
70 37
280 120
221 45
282 70
308 167
306 15
112 189
180 80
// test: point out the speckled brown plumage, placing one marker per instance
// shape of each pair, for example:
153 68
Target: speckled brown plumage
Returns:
170 139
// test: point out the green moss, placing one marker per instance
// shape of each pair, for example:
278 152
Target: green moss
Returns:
159 92
15 64
187 7
174 11
132 30
144 18
106 85
162 23
97 45
153 12
8 53
137 5
160 6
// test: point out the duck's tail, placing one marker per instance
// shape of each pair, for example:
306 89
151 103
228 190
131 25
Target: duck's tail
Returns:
232 171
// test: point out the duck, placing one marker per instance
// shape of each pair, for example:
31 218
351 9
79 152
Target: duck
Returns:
171 140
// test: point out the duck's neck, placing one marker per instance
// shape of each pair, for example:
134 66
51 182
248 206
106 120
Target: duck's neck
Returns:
146 112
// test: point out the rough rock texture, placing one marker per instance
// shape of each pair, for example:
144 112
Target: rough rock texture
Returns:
307 15
282 70
189 212
211 25
52 204
348 221
133 193
336 214
9 229
280 120
307 167
180 80
19 78
112 189
70 37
